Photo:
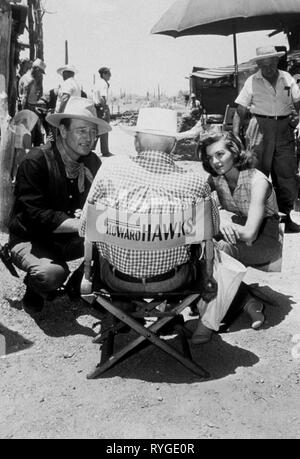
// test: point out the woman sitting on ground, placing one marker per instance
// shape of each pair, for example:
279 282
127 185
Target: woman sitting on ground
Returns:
249 226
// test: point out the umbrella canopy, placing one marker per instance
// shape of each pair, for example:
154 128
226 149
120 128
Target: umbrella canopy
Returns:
205 17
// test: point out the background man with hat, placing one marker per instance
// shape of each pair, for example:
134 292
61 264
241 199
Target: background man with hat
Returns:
193 113
30 91
150 181
52 184
69 87
101 98
272 95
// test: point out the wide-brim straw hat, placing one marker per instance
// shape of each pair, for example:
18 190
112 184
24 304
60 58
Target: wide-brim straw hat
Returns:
67 68
157 121
25 117
79 108
267 52
40 64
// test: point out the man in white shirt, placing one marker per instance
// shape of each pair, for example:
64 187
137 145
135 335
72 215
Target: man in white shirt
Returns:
30 91
271 95
69 87
100 98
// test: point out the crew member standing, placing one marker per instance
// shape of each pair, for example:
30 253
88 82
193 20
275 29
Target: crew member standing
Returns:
69 87
271 95
100 97
30 91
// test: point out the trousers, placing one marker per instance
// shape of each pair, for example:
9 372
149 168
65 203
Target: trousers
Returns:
46 264
273 144
103 113
181 278
267 247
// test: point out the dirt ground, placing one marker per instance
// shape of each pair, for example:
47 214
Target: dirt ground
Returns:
254 390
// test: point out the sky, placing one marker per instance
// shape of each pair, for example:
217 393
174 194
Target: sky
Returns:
116 33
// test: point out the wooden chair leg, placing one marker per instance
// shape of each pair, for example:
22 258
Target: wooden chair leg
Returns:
184 342
147 334
107 347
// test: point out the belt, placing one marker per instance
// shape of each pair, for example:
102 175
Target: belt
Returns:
145 280
283 117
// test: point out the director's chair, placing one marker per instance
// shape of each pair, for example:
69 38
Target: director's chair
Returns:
104 224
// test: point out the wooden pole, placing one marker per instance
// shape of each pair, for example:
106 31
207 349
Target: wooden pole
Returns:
38 15
31 32
66 53
236 66
7 137
5 38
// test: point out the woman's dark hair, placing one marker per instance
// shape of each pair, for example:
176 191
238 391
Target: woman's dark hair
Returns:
242 159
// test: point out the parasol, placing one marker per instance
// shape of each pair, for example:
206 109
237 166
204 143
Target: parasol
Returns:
212 17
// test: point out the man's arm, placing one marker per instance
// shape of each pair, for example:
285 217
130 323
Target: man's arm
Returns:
297 108
23 94
33 198
295 96
239 119
63 102
243 100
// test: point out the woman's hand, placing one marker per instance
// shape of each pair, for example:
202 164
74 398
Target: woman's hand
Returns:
229 232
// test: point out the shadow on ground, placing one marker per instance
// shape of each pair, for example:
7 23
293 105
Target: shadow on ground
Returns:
59 318
149 363
14 342
277 306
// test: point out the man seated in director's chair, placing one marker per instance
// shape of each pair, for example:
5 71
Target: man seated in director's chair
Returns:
132 264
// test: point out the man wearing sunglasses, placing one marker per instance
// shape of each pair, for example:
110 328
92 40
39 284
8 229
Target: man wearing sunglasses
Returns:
52 185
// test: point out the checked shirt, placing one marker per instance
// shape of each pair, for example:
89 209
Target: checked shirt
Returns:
148 183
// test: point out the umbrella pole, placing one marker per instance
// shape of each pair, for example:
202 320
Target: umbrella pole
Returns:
236 66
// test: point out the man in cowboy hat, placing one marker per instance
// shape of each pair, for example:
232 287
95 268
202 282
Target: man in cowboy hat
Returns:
100 97
30 91
51 187
69 87
192 114
153 182
272 95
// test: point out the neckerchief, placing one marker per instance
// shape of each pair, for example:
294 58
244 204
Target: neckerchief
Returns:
74 169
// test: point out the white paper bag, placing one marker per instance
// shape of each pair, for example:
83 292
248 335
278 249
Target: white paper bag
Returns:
229 274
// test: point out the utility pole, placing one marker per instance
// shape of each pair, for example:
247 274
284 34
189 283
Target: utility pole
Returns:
35 29
6 135
66 53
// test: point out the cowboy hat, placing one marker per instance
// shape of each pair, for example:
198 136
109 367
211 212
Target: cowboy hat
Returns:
66 68
25 117
267 52
81 109
39 64
157 121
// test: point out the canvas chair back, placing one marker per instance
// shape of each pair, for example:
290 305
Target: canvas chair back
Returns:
141 231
